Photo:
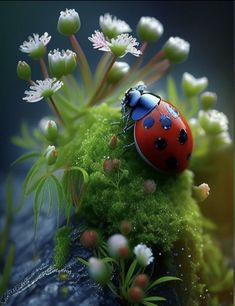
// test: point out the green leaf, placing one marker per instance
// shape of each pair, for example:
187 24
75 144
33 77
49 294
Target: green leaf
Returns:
33 177
149 303
172 91
4 279
154 298
109 259
38 201
83 261
24 157
130 273
74 183
60 194
162 280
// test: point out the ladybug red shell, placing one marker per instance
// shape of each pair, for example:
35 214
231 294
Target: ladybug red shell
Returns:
162 135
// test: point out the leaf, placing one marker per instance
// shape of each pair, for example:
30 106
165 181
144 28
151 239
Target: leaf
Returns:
26 140
154 298
172 91
162 280
130 273
83 261
74 182
38 201
33 177
149 303
60 194
24 157
5 277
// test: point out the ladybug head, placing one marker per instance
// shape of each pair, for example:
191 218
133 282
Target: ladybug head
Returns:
132 97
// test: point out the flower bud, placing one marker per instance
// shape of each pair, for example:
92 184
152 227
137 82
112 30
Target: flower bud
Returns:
149 29
201 192
149 186
220 140
90 239
56 63
113 142
116 243
213 121
51 155
117 72
192 86
98 270
107 166
135 294
50 130
23 71
116 163
125 227
176 49
68 22
70 61
208 100
141 281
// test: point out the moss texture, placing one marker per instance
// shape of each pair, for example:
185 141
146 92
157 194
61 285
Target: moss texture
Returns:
169 219
62 247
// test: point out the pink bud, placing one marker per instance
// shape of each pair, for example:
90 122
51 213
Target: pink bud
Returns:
149 186
125 227
89 239
107 165
113 141
116 163
135 294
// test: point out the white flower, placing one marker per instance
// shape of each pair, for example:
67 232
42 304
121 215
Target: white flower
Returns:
68 22
111 26
35 43
42 89
143 254
176 49
213 121
115 243
193 86
69 13
61 62
119 46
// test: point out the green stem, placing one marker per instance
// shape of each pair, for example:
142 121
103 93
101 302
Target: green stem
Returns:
83 63
44 68
52 102
100 86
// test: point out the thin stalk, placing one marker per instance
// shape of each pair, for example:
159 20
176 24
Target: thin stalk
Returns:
44 68
102 83
83 63
31 82
56 111
159 70
140 58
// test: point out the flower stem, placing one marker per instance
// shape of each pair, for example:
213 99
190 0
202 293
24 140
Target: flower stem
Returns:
100 86
159 70
56 111
83 63
44 68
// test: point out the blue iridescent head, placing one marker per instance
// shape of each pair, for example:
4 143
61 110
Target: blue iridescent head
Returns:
138 103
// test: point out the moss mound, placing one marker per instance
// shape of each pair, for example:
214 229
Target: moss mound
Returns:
169 219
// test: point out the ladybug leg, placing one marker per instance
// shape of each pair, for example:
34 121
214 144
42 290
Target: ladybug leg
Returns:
126 147
128 127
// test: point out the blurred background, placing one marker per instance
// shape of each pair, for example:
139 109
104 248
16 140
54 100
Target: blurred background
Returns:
207 25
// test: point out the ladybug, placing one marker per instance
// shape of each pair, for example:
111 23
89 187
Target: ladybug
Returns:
162 135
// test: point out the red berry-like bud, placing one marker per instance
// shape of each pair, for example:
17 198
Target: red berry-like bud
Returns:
108 165
141 280
123 252
135 294
113 142
149 186
125 227
90 239
116 163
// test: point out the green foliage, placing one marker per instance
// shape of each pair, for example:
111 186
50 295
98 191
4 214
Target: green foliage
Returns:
62 246
6 274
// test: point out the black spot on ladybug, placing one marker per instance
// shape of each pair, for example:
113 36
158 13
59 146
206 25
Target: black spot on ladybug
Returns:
148 122
172 163
174 113
160 143
189 156
165 122
183 136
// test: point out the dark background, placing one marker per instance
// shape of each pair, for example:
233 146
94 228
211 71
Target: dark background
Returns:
207 25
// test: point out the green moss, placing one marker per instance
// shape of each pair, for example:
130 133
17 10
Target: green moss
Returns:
62 247
168 219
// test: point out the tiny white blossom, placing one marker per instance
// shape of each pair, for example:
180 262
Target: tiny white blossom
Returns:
111 26
119 46
34 42
143 254
115 243
68 22
42 89
69 13
213 121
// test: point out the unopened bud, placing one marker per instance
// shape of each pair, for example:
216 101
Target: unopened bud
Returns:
208 100
108 166
116 163
201 192
117 72
149 186
23 71
176 49
68 22
99 271
192 86
141 281
51 155
90 239
51 130
213 121
149 29
116 243
125 227
135 295
113 142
